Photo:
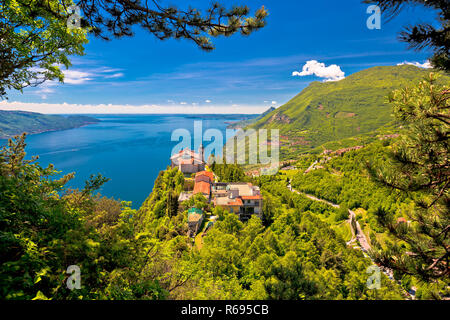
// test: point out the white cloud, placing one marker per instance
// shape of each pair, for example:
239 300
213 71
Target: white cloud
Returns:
274 102
76 76
313 67
115 75
208 101
183 103
66 108
45 89
425 65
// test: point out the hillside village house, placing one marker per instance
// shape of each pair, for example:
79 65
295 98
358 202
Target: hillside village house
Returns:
203 181
206 176
188 161
232 205
241 198
202 184
204 188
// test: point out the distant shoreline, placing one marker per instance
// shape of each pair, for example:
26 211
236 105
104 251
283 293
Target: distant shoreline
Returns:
231 118
13 123
3 137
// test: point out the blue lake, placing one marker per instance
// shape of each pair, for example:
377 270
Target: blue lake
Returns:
129 149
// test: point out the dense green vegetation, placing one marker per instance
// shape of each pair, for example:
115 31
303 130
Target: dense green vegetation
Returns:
228 172
16 122
332 111
418 165
405 209
345 180
146 254
294 254
299 249
45 228
397 186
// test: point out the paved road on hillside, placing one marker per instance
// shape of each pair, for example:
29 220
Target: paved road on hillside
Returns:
363 243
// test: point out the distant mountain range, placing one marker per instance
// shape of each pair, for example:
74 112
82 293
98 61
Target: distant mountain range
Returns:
16 122
330 111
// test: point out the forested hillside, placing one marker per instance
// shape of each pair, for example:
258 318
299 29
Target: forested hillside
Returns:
293 253
16 122
345 180
357 206
331 111
300 247
246 122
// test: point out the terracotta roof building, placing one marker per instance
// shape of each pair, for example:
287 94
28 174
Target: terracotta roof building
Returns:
188 161
232 205
241 198
203 188
203 174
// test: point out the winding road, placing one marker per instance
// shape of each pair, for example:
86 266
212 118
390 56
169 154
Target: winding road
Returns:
358 235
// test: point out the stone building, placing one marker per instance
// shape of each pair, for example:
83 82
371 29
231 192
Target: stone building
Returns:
188 161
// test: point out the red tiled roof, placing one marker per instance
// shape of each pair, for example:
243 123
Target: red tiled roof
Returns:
202 178
238 202
257 197
202 187
209 174
228 202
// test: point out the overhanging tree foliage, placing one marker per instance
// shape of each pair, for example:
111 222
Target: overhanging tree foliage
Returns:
34 43
45 227
424 35
419 166
35 38
116 18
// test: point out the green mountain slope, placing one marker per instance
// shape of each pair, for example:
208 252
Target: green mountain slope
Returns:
330 111
247 122
17 122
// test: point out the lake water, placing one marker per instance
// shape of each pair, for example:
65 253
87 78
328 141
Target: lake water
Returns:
128 149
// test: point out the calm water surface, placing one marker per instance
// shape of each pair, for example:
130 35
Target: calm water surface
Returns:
128 149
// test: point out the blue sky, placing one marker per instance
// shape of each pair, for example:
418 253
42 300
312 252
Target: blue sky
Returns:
243 74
